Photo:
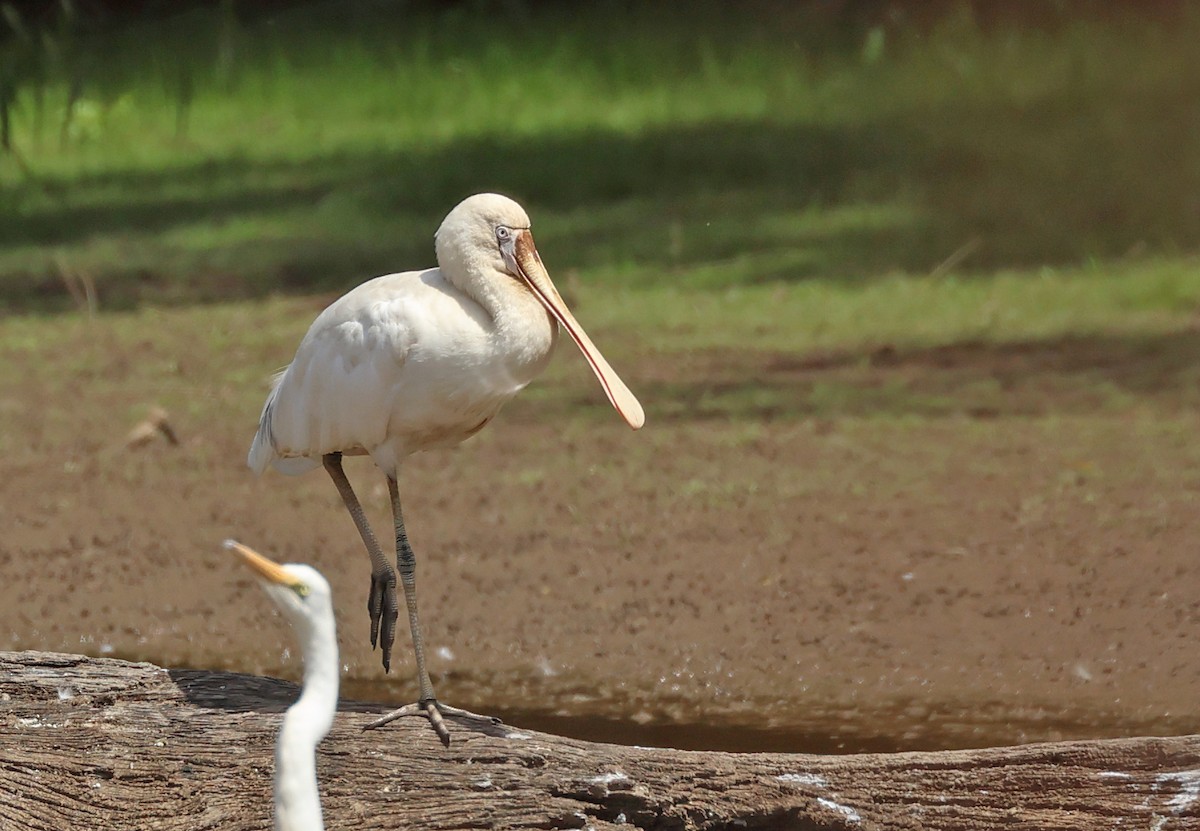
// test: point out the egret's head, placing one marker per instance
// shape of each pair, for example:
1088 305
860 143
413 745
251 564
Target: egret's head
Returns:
489 234
298 590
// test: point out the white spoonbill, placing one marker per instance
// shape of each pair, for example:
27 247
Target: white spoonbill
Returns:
417 360
304 596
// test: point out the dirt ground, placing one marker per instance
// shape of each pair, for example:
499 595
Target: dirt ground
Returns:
985 574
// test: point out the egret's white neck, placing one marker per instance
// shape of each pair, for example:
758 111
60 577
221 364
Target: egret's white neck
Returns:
297 800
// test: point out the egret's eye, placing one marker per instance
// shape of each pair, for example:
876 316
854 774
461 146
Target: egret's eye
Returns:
302 589
502 233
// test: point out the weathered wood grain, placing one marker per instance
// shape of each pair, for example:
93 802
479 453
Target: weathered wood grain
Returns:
103 744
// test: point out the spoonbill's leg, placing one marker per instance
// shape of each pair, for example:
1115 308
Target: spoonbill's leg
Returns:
427 704
381 602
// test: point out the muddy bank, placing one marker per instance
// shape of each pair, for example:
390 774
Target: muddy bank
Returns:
765 581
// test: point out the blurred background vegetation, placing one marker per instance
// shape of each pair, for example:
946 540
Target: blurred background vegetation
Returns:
170 152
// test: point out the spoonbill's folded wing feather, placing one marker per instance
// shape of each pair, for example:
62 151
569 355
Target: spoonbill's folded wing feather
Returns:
402 359
337 393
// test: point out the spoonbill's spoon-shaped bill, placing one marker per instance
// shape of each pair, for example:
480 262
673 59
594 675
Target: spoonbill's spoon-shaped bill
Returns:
526 262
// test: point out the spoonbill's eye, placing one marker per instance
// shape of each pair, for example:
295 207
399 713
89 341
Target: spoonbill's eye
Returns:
502 233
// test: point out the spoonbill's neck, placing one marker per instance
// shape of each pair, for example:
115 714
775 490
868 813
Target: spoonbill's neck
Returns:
297 800
523 328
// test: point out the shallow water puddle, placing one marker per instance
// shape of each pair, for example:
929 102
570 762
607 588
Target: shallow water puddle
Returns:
798 728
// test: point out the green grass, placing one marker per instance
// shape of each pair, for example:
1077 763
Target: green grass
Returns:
210 161
701 185
1110 345
826 314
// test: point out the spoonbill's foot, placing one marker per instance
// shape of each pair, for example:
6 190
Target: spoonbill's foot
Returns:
382 606
432 710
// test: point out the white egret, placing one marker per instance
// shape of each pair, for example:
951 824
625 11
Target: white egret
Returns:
422 359
304 596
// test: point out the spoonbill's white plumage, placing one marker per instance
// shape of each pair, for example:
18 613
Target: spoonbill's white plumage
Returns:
419 360
306 601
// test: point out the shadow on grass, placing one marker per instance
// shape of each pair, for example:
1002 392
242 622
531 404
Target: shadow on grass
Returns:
978 380
600 198
1061 181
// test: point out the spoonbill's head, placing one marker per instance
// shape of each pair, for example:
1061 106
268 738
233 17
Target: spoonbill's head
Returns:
491 232
299 591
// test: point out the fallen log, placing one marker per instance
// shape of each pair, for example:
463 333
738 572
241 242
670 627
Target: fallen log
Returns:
103 744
